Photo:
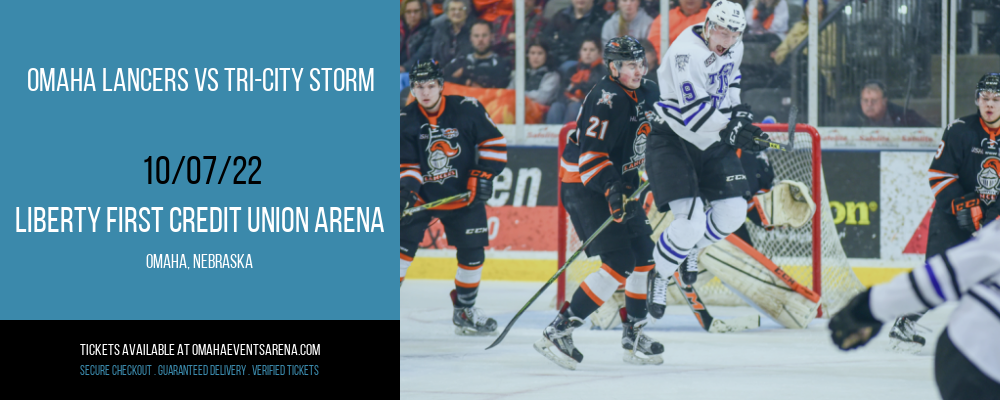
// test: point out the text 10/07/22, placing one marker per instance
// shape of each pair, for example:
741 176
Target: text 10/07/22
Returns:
194 169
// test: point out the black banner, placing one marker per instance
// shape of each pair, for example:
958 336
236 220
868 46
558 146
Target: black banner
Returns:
852 183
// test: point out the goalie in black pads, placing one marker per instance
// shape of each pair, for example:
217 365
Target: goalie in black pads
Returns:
599 168
692 156
448 145
965 179
967 359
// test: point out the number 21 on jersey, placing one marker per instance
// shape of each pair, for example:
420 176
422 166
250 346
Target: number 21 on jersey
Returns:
594 121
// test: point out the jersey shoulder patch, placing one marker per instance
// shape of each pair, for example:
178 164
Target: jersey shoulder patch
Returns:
606 98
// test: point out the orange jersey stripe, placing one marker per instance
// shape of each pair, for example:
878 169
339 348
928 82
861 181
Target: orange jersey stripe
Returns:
468 268
466 285
405 257
586 289
586 176
645 268
618 277
637 296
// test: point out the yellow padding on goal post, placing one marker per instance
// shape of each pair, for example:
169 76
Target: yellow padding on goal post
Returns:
542 270
493 269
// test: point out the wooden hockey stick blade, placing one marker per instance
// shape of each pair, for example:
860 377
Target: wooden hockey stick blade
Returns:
561 269
710 324
734 324
433 204
773 145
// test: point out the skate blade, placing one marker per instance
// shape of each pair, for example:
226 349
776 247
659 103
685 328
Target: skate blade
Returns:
734 324
639 359
900 346
544 347
467 331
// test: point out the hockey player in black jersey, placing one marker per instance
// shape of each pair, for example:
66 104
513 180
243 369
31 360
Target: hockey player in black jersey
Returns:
599 169
448 145
965 179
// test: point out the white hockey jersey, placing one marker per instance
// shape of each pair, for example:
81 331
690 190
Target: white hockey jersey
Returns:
968 273
698 87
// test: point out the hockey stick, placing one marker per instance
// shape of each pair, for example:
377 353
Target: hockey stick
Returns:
712 325
433 204
561 269
773 145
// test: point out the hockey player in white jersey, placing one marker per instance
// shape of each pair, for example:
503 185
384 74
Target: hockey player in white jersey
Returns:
967 360
691 155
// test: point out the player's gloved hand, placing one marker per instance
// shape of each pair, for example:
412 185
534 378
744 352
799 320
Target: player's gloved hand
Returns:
614 192
742 112
854 325
754 133
633 207
740 131
407 199
968 210
481 185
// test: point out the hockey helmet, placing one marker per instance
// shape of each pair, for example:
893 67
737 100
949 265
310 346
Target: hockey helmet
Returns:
425 70
624 48
725 14
988 83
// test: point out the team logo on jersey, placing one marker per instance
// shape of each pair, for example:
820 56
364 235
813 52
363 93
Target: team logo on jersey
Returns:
710 60
957 121
440 153
992 144
605 98
468 99
450 133
682 61
989 180
638 147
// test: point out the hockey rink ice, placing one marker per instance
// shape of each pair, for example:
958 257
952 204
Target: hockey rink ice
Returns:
769 362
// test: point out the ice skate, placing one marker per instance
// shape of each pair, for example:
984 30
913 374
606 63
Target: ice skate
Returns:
689 269
556 343
470 321
903 337
646 350
656 300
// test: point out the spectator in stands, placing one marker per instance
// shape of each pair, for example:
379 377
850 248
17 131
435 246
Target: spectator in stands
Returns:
652 60
798 33
504 40
451 40
482 68
764 18
541 81
876 110
652 7
415 33
682 16
568 28
628 20
579 80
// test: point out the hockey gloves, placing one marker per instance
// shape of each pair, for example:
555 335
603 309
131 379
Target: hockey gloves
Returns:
854 325
621 210
971 213
407 199
741 132
481 186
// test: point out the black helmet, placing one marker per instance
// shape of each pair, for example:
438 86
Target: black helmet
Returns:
623 48
988 83
425 70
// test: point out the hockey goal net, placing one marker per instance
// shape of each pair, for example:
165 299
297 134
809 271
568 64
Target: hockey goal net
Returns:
813 257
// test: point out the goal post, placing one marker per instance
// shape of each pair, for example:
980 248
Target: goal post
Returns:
813 257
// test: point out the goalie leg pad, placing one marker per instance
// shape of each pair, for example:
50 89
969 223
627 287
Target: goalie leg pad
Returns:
756 284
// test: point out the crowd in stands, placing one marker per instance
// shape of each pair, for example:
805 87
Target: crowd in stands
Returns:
474 42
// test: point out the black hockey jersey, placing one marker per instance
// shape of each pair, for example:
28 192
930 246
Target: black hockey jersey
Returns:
436 152
610 140
966 161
